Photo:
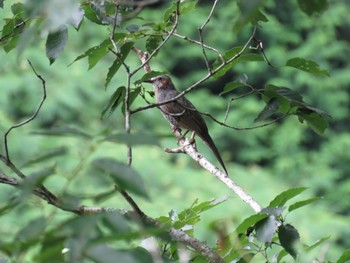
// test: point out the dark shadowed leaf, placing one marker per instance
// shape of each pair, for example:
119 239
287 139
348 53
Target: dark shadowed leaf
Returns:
105 254
113 103
345 257
283 197
124 51
123 175
307 66
138 138
51 250
32 230
55 43
249 222
249 13
64 131
289 237
116 222
302 203
266 229
270 108
1 3
311 7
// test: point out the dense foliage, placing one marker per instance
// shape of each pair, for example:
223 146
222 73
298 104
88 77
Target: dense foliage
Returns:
286 81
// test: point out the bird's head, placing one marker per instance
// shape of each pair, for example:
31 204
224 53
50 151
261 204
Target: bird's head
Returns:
161 82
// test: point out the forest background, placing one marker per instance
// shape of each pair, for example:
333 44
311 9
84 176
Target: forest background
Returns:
69 134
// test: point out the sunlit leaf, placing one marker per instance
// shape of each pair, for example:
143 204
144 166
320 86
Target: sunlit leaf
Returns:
288 237
55 43
124 51
77 18
283 197
302 203
311 7
307 66
123 175
266 229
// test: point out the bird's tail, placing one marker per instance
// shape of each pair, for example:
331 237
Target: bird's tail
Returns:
209 141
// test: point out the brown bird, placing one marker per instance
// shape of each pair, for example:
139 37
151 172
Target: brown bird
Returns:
181 113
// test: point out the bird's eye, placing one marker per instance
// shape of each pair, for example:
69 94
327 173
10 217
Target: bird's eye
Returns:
158 78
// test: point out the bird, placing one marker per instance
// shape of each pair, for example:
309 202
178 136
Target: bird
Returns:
181 113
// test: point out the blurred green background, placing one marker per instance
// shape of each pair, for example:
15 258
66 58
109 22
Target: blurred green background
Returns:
263 161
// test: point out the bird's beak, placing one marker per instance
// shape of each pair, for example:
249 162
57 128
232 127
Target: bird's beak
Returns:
148 81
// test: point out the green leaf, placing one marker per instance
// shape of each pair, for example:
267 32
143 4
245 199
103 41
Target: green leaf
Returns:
55 43
47 155
117 97
249 13
204 206
19 10
266 229
51 250
1 3
124 51
64 131
345 257
185 7
138 138
317 243
270 108
315 121
311 7
249 222
123 175
105 254
273 211
34 180
244 57
91 15
232 86
302 203
288 237
33 230
116 222
152 43
283 197
95 54
307 66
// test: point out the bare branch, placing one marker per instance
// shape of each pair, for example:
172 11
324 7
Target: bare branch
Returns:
30 118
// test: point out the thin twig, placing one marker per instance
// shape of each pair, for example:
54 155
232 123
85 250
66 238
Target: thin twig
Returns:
195 85
7 155
200 30
177 14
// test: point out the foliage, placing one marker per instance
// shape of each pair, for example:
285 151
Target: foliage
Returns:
77 145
